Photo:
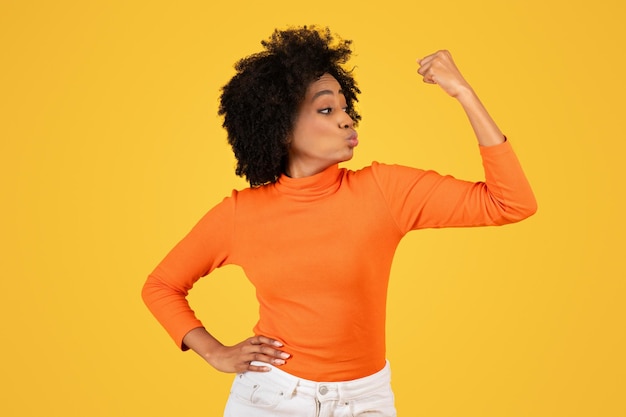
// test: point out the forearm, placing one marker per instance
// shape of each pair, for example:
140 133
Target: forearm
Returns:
485 129
202 342
439 68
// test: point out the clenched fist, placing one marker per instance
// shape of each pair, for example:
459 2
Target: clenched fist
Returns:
440 69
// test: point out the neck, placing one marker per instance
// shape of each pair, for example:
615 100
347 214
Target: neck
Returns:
299 171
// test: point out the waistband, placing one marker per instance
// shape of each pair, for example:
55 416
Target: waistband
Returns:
342 391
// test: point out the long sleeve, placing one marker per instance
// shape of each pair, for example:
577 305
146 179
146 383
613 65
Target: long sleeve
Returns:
425 199
304 243
206 247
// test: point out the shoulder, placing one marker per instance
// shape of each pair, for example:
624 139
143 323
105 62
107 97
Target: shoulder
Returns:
380 171
250 193
247 201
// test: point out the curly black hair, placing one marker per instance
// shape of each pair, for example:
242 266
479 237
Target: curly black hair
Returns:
260 103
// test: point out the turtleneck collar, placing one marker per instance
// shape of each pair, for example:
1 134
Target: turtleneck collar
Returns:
312 187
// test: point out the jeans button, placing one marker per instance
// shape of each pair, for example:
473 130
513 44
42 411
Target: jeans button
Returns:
323 390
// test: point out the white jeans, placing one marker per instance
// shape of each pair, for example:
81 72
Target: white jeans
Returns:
277 393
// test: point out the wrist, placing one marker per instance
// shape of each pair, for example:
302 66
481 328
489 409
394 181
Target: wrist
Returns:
466 96
201 342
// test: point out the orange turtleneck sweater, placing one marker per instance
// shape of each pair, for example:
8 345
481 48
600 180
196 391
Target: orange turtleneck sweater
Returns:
319 250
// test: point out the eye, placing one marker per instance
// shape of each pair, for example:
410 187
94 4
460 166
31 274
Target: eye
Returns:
329 110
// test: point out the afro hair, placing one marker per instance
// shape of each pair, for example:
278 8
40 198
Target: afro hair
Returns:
260 103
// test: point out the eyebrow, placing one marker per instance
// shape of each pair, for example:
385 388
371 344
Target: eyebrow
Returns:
324 92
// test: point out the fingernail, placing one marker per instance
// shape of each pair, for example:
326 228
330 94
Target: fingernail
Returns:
279 361
284 355
277 343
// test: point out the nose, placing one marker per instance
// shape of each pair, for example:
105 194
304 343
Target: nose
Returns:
346 122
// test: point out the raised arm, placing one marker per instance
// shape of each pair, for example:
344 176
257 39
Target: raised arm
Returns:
425 199
440 69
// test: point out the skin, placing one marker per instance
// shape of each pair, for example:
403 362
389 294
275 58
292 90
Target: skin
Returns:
439 68
324 135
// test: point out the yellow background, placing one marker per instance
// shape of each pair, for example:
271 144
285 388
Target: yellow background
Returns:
111 149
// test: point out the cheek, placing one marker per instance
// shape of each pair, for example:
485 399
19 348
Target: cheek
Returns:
323 128
312 133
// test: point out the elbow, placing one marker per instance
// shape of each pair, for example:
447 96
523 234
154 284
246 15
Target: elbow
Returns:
521 212
147 290
156 291
151 291
529 206
532 209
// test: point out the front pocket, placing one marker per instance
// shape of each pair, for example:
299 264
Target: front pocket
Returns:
379 403
253 392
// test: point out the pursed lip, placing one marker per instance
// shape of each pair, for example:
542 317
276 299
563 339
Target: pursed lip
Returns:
353 139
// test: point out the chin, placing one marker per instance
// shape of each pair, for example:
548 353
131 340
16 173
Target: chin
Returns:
348 157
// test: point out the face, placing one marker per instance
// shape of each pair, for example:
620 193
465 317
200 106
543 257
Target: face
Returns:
323 134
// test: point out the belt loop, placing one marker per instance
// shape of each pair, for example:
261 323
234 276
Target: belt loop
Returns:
290 389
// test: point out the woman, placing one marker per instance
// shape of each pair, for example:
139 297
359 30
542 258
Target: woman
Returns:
316 240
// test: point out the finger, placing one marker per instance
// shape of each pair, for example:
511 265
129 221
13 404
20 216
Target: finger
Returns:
263 340
440 54
270 352
425 60
254 368
257 347
428 74
259 359
423 69
257 351
430 78
439 59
